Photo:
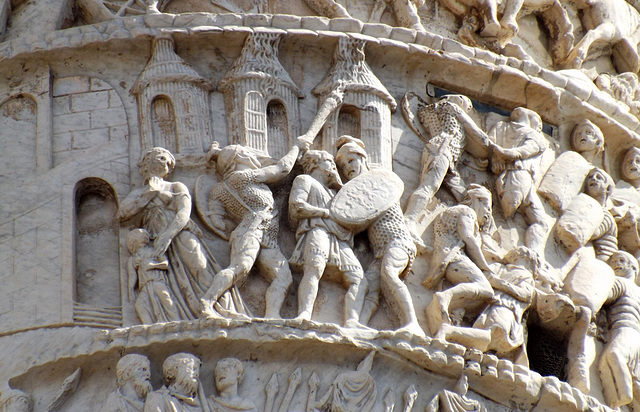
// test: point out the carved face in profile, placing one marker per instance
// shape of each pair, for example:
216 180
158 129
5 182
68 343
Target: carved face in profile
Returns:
631 165
142 379
482 207
586 136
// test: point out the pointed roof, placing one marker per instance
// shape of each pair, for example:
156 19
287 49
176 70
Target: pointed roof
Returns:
350 72
166 66
259 60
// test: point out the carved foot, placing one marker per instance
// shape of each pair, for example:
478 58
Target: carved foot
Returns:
208 311
491 29
354 324
412 329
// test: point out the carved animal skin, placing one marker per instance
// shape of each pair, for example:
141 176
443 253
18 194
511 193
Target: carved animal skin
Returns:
613 22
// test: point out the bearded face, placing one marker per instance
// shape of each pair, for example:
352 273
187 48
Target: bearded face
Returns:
187 378
142 383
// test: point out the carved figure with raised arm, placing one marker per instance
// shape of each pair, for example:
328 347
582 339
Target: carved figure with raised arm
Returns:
450 128
392 244
244 196
458 258
516 158
620 359
615 23
155 301
164 209
228 374
133 373
182 391
322 243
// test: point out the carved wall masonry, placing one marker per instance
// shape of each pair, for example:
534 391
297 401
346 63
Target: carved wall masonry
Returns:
287 241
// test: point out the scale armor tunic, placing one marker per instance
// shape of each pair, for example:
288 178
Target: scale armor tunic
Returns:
255 195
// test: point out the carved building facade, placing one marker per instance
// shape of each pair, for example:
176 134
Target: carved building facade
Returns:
312 206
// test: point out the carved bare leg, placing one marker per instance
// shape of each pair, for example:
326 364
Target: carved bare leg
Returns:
354 298
508 22
275 268
578 374
490 16
394 261
372 297
407 14
434 170
604 32
244 250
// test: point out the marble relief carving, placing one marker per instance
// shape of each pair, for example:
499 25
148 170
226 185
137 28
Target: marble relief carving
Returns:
237 219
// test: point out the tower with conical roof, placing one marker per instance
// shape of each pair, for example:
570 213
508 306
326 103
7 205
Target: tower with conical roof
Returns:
366 106
173 105
261 98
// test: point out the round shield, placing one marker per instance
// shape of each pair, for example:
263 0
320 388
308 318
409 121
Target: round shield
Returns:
363 199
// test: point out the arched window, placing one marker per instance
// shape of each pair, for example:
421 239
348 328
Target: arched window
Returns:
349 121
277 129
97 274
163 123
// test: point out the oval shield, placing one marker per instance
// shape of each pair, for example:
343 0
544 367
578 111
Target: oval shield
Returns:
363 199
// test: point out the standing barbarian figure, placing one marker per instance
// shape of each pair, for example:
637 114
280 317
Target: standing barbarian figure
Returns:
393 247
245 196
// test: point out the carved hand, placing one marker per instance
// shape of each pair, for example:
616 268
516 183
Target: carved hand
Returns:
160 246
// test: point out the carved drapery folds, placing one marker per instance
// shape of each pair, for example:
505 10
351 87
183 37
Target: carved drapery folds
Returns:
173 102
279 246
261 99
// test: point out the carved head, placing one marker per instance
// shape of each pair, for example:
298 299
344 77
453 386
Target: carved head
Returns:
314 160
182 371
136 239
479 199
156 162
17 401
526 116
235 156
624 265
137 370
587 136
459 100
522 254
598 184
630 167
229 371
351 157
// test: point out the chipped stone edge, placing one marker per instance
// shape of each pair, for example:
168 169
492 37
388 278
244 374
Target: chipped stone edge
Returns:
489 374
